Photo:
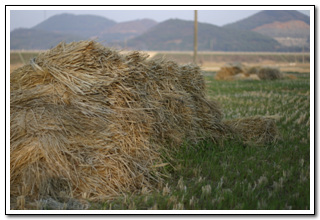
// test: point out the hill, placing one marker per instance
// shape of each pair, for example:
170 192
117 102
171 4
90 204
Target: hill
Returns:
176 34
290 28
69 27
267 17
85 26
293 28
32 39
126 30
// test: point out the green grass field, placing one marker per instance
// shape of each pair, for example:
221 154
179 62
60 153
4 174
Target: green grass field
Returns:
234 176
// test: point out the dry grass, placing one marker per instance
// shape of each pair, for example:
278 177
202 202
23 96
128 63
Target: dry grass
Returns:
229 71
257 130
269 73
88 122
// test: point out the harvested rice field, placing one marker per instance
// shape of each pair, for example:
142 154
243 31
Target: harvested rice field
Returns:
95 129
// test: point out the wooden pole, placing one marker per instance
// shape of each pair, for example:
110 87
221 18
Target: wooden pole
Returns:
195 43
302 53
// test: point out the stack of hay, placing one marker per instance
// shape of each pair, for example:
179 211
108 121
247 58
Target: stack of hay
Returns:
258 130
269 73
230 72
241 72
89 122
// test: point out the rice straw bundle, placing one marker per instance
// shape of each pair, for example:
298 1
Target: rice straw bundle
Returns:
256 129
229 71
269 73
89 122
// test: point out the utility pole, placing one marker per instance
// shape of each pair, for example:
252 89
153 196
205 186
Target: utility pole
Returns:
195 43
302 53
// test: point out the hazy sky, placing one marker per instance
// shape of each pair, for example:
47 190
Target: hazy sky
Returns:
30 18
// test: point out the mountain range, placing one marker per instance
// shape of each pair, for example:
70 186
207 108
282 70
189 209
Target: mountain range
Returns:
267 17
263 31
289 28
176 34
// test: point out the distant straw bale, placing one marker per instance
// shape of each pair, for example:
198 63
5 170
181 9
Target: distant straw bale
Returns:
259 130
89 122
241 72
229 71
269 73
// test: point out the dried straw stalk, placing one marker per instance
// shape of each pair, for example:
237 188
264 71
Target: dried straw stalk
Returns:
258 130
89 122
228 72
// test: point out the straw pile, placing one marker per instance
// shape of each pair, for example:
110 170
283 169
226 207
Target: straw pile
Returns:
258 130
88 122
229 71
241 72
269 73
